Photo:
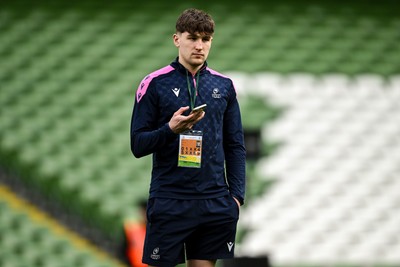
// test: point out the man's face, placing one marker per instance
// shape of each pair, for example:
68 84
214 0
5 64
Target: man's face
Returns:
193 48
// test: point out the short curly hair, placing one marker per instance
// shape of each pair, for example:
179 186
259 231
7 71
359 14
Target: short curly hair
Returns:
193 20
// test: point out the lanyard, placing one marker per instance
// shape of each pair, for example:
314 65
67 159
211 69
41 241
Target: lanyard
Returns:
192 95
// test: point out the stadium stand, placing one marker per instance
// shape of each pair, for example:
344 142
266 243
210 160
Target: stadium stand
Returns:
69 70
337 191
29 238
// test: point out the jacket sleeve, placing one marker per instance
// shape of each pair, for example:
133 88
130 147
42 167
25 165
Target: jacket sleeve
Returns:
146 135
235 152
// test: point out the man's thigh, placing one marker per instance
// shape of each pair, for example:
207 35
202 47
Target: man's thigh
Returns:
214 237
169 223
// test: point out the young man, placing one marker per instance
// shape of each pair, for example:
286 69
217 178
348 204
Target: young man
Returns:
198 176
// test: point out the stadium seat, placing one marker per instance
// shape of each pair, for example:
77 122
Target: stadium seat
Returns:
334 188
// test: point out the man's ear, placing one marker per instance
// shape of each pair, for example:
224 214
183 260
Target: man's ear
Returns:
176 40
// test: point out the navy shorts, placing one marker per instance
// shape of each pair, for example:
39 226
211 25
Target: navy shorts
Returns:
202 229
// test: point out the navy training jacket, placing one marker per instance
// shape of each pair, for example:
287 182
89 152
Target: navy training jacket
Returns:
159 96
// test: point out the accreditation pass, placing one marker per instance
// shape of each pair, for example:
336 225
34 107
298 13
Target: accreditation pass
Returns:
190 144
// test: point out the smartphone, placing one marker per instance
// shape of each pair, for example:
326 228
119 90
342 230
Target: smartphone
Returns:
199 108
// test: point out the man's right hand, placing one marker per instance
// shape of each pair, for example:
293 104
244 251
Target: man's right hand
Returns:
180 123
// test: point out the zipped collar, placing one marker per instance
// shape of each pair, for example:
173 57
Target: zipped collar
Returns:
179 67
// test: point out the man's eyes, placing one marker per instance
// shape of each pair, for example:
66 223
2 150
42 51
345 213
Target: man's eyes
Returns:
205 39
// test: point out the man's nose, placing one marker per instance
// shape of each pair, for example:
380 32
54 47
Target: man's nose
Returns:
199 44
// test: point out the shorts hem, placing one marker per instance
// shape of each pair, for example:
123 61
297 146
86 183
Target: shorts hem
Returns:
162 263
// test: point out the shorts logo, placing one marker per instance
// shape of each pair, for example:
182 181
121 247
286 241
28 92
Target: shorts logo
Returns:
230 245
155 255
216 93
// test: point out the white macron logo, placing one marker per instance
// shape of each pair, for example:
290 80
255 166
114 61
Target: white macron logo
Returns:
176 91
230 245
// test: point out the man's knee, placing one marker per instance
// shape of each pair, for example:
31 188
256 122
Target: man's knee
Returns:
201 263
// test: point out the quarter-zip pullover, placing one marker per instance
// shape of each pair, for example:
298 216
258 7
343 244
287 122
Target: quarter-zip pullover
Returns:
159 96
